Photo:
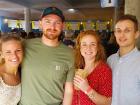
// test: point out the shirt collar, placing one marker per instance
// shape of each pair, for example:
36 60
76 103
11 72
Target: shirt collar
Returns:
131 53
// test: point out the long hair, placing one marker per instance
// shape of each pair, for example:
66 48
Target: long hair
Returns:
100 56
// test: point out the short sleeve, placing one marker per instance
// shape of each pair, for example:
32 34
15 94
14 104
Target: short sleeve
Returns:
70 74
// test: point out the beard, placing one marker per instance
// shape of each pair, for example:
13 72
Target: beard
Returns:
51 34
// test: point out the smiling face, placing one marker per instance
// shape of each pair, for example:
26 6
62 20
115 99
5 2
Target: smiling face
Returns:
51 26
88 47
12 53
126 34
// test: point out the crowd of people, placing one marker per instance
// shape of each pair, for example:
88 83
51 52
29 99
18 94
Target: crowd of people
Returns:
44 71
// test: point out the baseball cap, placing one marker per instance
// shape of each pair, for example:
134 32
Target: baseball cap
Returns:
53 10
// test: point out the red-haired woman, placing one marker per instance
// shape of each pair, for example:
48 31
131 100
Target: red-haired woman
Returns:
96 88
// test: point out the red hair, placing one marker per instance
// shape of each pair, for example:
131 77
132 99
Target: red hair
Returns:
100 56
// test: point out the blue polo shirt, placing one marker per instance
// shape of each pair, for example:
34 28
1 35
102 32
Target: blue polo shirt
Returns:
126 78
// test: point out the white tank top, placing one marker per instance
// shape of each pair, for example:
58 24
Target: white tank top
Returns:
9 95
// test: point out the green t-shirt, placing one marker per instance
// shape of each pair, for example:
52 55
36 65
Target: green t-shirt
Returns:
44 73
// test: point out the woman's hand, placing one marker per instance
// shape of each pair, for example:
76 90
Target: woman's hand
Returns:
81 83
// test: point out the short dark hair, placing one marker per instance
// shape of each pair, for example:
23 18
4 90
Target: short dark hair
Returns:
131 18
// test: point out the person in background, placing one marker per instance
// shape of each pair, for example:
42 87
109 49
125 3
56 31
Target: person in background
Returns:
48 66
125 63
96 88
68 40
112 46
12 53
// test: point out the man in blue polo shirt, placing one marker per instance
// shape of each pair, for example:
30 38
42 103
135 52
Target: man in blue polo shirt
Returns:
125 63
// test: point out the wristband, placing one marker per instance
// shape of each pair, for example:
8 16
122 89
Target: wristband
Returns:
88 90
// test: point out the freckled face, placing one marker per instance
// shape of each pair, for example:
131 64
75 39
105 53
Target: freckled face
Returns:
88 47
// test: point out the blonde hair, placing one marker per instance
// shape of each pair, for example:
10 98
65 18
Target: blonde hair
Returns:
7 37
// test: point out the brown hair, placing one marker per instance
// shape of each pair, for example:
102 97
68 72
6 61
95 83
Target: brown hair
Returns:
131 18
79 60
10 36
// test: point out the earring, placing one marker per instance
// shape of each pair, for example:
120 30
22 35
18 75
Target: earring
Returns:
2 61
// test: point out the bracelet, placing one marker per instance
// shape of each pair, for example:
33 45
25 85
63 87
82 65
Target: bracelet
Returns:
91 95
88 90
